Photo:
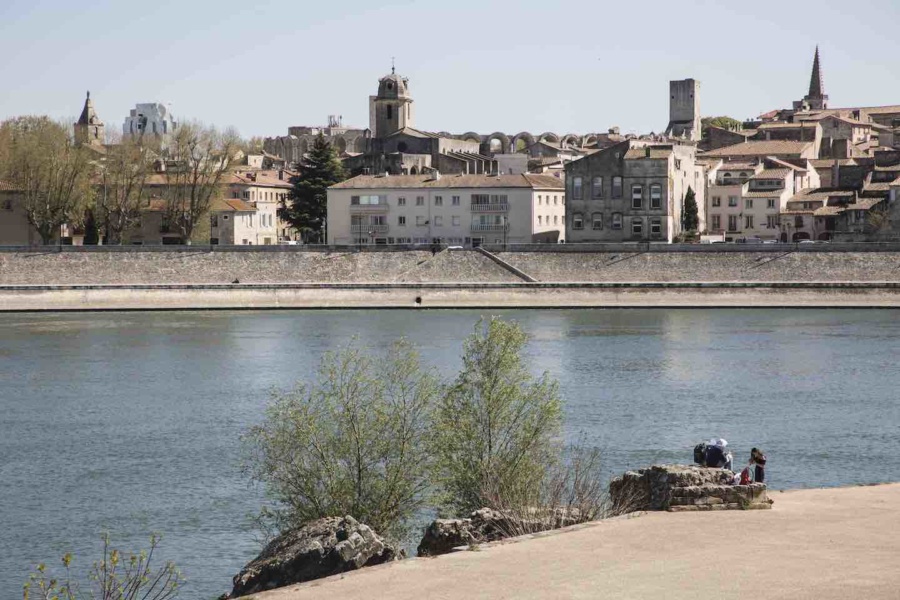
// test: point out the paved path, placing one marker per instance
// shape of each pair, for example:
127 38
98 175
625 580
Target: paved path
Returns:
816 544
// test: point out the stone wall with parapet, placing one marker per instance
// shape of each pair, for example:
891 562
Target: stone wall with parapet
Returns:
677 488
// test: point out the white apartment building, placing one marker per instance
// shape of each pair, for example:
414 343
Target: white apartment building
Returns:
457 210
265 190
746 198
149 119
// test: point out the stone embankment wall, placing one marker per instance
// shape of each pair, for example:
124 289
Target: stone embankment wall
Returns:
678 488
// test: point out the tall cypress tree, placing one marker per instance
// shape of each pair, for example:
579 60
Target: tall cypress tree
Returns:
306 206
690 218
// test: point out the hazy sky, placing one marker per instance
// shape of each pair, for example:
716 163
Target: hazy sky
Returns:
486 66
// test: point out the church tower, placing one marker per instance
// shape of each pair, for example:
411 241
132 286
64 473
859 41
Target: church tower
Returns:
392 108
816 98
89 129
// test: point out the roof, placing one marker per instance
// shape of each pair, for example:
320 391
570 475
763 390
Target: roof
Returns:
387 182
774 193
157 204
808 194
772 174
656 152
262 179
819 163
761 148
782 125
738 166
412 132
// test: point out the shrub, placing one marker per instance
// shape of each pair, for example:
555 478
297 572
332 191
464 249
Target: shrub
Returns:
349 444
114 577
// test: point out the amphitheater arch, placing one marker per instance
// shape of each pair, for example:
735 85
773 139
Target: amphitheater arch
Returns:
590 138
498 143
570 139
522 141
340 144
470 136
549 136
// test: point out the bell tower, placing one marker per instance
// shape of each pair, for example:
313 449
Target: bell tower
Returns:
392 107
89 129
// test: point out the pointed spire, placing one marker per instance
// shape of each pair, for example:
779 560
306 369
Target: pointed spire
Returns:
393 67
88 114
816 89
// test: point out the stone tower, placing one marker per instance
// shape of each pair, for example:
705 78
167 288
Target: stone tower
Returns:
392 107
816 99
89 129
684 109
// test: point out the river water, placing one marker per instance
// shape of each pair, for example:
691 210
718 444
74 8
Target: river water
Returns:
130 422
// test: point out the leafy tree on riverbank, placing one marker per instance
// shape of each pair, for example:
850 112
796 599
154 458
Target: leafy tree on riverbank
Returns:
350 444
690 218
305 208
496 429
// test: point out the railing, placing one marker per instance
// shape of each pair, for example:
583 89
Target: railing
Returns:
490 226
498 207
368 228
368 207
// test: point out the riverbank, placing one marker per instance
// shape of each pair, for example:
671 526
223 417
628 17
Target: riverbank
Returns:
825 543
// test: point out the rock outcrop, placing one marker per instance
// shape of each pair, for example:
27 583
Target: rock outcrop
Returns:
318 549
683 488
487 525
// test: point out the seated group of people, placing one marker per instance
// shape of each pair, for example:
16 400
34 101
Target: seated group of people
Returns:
718 456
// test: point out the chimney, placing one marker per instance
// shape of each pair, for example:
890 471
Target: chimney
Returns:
280 174
437 175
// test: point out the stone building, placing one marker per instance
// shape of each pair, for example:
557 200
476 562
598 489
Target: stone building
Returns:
89 129
632 191
456 210
684 110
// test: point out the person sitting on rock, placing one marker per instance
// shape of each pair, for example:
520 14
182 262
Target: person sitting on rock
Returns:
717 456
758 462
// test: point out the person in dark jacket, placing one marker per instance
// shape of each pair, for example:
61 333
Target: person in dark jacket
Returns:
758 461
717 456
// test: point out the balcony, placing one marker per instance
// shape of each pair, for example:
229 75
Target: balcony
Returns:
498 207
487 227
368 228
368 208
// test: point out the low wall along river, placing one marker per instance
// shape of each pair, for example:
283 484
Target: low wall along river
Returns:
620 275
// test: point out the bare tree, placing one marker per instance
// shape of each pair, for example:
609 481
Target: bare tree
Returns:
39 157
120 185
197 163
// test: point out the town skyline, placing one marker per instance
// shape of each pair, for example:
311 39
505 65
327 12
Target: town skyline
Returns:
455 92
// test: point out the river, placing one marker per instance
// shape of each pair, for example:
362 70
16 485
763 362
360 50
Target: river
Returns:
130 422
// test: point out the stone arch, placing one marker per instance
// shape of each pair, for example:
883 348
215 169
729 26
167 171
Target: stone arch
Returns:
590 138
570 139
549 136
302 147
470 136
800 235
340 144
522 141
444 134
359 144
824 236
498 141
413 171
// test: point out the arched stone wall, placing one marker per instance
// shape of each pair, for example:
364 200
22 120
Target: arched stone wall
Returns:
471 136
549 136
500 137
521 141
570 139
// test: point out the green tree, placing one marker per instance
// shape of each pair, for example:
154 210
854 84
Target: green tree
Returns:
496 429
690 219
91 232
349 444
306 206
40 159
722 121
114 577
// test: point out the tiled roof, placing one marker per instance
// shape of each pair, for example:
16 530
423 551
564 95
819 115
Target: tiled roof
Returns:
157 204
263 179
763 194
807 194
783 125
819 163
772 174
362 182
761 148
641 153
738 166
414 133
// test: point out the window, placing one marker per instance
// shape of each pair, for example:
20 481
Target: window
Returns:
597 187
576 188
438 200
214 220
748 202
367 200
617 187
539 219
555 200
577 221
438 221
401 201
479 199
770 203
454 221
655 226
637 196
655 196
717 201
732 222
772 221
748 222
717 222
597 221
420 221
390 112
401 221
798 222
732 200
539 199
617 220
555 220
637 226
454 201
420 200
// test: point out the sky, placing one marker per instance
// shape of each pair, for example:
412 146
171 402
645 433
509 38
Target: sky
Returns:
473 65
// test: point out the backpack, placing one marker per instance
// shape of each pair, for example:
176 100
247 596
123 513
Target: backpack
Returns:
700 453
746 478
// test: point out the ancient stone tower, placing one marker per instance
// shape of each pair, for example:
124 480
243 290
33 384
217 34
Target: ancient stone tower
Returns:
684 109
89 129
816 99
392 107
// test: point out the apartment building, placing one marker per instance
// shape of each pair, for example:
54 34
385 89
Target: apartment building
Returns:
457 210
632 191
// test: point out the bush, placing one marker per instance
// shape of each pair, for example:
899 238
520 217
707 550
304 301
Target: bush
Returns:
112 578
349 444
495 429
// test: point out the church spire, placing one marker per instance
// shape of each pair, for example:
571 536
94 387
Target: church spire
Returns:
89 129
816 89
